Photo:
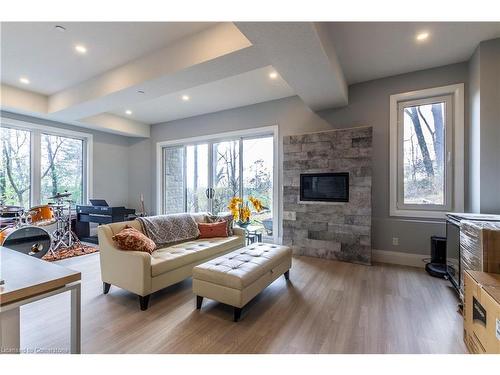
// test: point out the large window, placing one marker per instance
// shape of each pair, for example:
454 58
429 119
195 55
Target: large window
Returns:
15 167
203 175
39 161
425 128
62 167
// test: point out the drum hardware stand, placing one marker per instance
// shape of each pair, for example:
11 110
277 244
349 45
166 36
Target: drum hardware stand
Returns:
63 236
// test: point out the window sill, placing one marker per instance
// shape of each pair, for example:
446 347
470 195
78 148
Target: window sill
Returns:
419 213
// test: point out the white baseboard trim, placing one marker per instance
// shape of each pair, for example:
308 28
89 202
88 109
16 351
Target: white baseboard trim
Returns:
396 257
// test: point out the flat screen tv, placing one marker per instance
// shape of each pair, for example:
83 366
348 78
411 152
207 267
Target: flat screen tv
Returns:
324 187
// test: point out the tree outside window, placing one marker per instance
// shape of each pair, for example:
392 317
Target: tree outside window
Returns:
15 183
423 152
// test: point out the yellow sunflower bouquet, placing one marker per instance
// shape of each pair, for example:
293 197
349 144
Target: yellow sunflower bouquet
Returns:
241 210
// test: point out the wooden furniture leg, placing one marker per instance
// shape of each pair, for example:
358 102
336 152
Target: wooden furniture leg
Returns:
237 313
199 301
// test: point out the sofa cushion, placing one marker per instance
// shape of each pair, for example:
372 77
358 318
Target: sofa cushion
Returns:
226 217
131 239
210 230
169 258
240 268
117 227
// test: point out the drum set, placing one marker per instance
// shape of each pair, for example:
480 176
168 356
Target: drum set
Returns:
24 230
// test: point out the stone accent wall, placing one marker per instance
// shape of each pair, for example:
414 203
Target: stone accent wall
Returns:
329 229
174 193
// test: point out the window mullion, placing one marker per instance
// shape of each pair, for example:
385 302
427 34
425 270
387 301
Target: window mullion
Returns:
241 166
184 177
211 173
36 161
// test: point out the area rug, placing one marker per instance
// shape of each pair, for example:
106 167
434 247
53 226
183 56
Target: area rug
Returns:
70 252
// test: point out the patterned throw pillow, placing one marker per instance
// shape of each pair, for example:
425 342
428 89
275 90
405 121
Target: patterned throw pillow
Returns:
228 218
210 230
131 239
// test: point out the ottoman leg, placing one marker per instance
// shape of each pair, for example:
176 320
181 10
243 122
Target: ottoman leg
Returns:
199 301
105 288
237 313
287 275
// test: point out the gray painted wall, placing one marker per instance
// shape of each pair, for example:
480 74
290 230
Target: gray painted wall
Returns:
484 130
474 134
368 105
140 173
110 155
489 61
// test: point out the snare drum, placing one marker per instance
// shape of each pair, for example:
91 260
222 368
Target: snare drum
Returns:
42 215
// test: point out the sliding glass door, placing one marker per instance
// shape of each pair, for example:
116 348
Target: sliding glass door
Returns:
196 179
226 174
257 171
203 177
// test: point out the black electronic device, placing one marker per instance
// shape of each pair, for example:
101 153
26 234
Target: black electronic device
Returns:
438 266
99 202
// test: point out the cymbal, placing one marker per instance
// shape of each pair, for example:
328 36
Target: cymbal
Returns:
60 195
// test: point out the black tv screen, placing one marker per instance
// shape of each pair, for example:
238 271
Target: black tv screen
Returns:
324 187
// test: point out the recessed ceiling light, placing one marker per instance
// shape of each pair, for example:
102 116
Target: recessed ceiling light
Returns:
128 112
273 75
422 36
60 28
140 91
24 80
81 49
185 97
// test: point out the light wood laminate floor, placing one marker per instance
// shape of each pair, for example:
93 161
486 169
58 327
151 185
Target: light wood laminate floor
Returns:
328 307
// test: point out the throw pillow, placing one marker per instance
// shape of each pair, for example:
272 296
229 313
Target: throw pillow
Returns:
228 218
210 230
133 240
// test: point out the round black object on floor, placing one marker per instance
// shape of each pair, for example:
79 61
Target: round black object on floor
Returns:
437 269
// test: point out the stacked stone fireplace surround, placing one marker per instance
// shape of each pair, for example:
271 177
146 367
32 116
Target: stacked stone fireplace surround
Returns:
332 230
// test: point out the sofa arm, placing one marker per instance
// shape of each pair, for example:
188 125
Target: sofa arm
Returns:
130 270
240 232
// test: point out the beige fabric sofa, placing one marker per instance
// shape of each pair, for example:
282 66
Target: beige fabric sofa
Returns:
143 274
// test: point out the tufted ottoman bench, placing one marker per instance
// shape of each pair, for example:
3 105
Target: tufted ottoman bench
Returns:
237 277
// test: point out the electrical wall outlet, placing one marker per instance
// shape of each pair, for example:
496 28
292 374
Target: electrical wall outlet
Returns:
395 241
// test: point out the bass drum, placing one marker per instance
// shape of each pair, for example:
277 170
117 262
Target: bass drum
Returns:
30 240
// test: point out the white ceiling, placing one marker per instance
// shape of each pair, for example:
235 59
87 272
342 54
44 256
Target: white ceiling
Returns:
243 89
371 50
303 54
47 57
219 65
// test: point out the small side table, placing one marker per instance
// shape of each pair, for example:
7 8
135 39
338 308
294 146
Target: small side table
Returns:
253 234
